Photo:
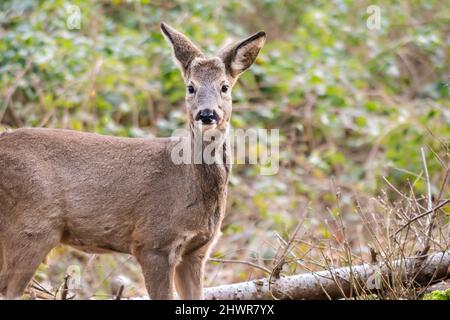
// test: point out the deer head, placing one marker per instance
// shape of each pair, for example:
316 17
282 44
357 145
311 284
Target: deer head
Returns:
209 80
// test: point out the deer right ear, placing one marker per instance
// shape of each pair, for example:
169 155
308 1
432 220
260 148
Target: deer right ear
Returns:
183 49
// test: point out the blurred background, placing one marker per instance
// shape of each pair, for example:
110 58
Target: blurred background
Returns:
354 106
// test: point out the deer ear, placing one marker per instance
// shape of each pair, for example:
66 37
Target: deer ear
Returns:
241 55
183 49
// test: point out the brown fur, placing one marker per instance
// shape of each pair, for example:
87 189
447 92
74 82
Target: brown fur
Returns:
108 194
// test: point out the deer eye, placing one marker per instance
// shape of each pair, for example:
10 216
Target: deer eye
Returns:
225 88
191 89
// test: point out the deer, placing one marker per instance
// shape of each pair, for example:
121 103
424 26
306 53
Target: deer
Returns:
106 194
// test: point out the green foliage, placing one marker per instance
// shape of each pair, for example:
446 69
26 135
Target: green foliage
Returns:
438 295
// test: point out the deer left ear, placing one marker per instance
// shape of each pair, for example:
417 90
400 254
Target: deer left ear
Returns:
240 56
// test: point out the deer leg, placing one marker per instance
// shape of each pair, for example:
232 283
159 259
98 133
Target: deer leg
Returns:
189 276
158 273
20 263
2 274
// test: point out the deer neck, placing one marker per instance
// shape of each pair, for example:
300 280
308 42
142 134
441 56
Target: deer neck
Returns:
211 160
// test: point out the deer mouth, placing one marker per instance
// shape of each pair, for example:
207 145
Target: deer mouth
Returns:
210 122
205 126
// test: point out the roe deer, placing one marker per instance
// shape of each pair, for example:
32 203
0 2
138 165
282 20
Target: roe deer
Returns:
107 194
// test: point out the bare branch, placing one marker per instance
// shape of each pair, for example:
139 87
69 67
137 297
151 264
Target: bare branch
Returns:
423 215
248 263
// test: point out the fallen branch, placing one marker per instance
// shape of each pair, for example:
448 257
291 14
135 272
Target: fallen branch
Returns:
322 285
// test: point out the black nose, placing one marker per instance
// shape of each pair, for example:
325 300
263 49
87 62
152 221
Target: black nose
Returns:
207 116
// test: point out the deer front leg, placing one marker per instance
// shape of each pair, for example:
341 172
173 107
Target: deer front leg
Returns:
189 276
158 273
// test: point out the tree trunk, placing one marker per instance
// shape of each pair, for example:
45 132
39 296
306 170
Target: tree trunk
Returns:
338 283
